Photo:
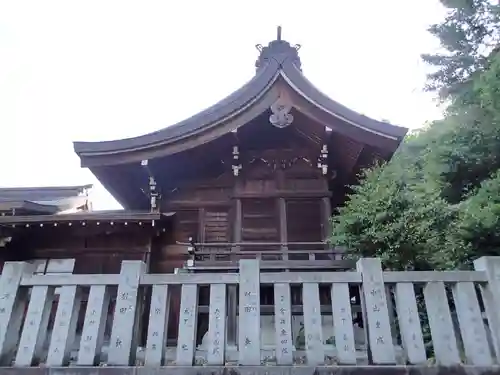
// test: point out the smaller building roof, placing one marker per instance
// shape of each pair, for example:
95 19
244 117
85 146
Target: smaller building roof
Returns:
41 193
43 200
114 216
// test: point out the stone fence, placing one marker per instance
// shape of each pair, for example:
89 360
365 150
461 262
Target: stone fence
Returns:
419 318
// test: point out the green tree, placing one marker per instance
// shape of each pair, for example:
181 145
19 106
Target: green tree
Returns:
396 213
469 33
436 203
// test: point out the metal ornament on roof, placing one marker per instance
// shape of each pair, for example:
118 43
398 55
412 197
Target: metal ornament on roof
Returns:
323 160
153 194
281 116
236 166
5 240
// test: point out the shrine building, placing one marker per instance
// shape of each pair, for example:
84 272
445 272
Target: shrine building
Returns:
258 174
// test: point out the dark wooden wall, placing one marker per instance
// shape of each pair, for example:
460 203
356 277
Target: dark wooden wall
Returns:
280 196
95 248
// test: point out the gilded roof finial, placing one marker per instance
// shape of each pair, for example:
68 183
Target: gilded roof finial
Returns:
279 33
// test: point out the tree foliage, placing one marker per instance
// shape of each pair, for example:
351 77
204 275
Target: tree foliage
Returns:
468 35
436 204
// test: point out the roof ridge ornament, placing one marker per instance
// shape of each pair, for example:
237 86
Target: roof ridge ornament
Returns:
278 50
281 116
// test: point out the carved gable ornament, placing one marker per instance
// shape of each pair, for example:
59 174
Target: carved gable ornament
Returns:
281 116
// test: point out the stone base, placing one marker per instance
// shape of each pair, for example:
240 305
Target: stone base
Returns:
256 370
267 356
268 331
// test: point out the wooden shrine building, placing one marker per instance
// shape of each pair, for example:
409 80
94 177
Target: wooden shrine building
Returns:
260 170
258 174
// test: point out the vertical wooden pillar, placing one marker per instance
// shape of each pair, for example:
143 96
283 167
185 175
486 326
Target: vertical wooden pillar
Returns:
281 204
232 294
237 222
201 230
145 297
283 227
326 213
201 226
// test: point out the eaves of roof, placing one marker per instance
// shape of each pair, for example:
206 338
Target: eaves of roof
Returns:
235 103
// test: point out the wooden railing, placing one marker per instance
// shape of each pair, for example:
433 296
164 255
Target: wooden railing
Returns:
275 255
464 328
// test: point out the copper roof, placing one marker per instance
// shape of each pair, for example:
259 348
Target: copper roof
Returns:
279 60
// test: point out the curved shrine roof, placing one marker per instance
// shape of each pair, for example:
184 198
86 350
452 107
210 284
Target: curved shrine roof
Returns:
279 60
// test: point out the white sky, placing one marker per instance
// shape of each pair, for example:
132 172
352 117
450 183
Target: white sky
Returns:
99 70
